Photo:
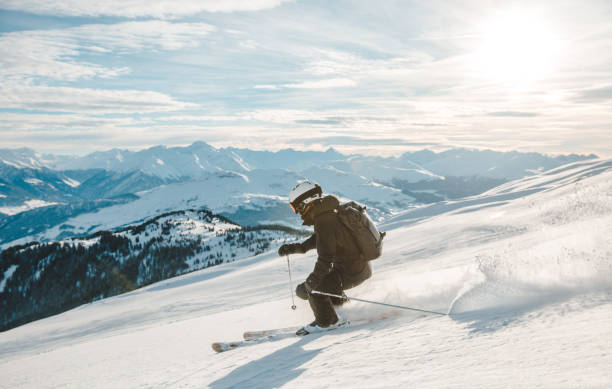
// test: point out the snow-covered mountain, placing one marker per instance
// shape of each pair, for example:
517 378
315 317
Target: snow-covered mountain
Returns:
33 199
487 163
289 159
258 192
523 270
19 183
200 158
164 162
25 158
386 169
50 197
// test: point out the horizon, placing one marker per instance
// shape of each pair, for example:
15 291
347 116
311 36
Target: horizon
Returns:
80 76
329 149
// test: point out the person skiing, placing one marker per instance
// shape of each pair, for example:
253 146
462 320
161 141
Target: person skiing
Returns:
339 265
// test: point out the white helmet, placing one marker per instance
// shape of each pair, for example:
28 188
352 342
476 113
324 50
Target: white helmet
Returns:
303 193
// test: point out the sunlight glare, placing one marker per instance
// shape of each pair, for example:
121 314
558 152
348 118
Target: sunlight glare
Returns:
517 48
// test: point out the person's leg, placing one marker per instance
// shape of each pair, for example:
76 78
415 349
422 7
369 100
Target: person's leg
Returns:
323 306
351 280
335 283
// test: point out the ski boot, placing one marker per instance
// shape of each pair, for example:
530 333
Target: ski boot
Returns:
314 327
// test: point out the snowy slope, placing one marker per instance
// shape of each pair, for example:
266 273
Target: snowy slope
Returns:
524 271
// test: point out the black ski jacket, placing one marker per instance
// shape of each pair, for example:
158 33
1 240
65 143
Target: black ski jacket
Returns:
335 246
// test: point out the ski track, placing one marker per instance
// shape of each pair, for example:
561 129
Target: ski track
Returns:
527 280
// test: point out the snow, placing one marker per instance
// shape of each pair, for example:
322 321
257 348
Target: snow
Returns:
524 271
27 205
7 275
71 182
34 181
11 164
86 243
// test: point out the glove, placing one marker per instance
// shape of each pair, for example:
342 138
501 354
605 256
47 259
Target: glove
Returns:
290 248
303 290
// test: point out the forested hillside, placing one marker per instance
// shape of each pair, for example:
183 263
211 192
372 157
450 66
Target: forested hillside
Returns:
41 279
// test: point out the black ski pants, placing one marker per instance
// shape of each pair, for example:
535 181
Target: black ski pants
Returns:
335 282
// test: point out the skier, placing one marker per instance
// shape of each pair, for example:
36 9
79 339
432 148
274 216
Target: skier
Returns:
339 264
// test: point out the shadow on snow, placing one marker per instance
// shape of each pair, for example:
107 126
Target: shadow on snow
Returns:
273 370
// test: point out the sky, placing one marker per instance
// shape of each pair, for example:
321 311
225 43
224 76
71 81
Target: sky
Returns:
371 77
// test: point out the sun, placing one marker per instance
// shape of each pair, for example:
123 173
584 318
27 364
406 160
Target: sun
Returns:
515 48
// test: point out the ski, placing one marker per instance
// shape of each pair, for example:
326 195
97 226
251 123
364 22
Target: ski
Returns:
225 346
275 333
255 337
261 336
251 335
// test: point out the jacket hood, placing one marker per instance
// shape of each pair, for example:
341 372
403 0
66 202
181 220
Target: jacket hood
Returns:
320 206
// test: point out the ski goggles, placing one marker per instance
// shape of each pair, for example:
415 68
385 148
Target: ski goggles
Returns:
299 208
296 209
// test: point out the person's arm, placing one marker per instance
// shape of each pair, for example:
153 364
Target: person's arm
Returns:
309 243
298 248
326 248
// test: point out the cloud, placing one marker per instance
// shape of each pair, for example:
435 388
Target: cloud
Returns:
136 8
309 68
323 84
267 86
198 118
330 122
337 62
279 116
284 118
29 57
25 55
139 36
84 100
59 123
316 84
513 114
53 53
357 141
315 121
595 94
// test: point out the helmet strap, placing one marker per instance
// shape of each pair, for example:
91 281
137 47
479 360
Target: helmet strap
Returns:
307 208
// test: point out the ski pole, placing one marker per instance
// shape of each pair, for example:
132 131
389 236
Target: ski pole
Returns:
347 298
291 284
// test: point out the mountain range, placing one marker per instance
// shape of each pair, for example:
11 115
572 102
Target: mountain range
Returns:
46 197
